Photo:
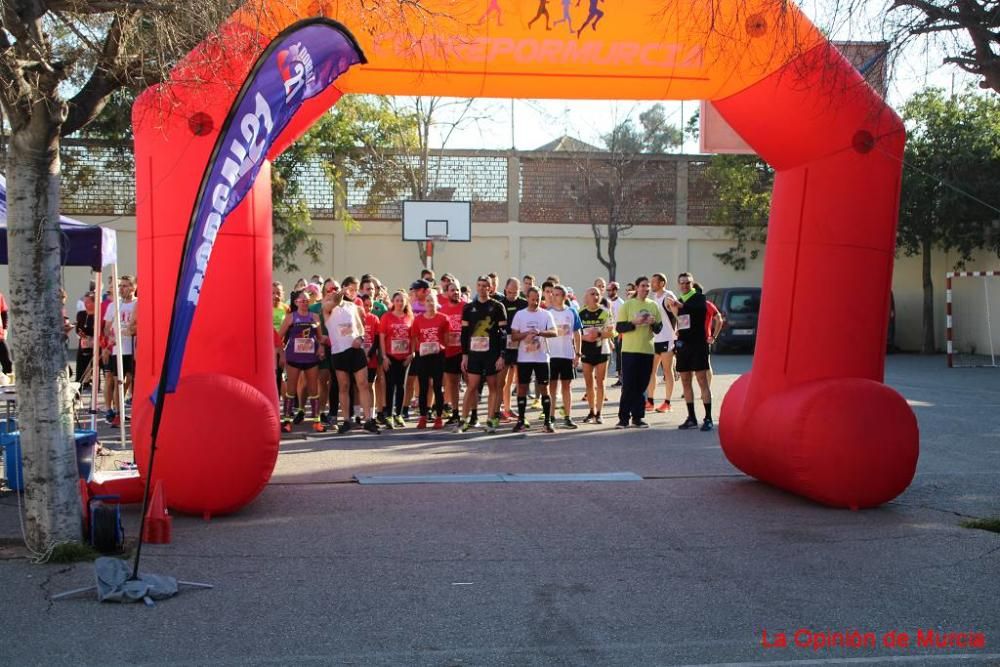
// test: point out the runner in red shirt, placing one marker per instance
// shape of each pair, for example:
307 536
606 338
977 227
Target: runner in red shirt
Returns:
394 338
373 352
429 333
453 348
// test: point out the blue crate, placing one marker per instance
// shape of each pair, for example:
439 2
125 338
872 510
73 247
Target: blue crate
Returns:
86 444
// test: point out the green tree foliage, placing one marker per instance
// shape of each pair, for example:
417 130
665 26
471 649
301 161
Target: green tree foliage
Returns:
741 187
362 142
950 194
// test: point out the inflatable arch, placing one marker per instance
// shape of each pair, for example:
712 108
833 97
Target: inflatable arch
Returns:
812 417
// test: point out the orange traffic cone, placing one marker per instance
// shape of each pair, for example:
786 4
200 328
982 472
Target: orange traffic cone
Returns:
158 519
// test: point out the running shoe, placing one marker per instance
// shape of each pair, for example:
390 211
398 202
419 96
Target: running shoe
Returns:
116 422
649 404
621 424
507 416
536 404
707 425
286 426
547 427
386 425
398 422
422 423
570 424
454 419
466 427
299 416
663 407
109 416
344 427
589 419
473 422
438 423
319 427
639 423
598 419
406 414
371 426
518 427
492 424
617 383
689 423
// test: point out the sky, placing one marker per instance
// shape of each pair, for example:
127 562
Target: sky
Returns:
528 124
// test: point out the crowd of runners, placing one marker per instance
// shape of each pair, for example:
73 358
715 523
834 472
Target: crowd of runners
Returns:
350 354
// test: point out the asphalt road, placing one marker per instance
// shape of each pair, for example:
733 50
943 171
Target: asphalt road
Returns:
688 566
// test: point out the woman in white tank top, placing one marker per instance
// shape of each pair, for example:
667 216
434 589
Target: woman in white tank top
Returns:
346 330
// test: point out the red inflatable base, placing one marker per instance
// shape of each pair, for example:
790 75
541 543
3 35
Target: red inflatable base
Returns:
211 458
843 442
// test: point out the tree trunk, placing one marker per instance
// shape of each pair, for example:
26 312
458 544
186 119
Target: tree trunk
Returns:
51 495
928 310
612 249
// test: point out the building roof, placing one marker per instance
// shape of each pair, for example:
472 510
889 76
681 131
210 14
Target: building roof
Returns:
567 144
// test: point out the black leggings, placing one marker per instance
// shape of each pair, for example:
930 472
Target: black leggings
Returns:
430 367
5 363
395 385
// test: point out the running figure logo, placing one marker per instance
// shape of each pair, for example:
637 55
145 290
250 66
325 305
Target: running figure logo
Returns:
595 15
492 7
543 10
567 18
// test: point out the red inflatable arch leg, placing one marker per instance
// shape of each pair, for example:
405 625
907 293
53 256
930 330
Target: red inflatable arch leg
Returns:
219 440
813 416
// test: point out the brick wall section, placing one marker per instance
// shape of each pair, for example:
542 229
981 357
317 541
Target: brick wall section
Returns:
700 194
99 179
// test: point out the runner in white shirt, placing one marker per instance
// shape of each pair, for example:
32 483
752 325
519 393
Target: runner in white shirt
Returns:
127 303
346 330
564 351
663 344
530 328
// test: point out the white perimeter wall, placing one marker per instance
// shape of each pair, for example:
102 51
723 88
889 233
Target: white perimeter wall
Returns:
568 251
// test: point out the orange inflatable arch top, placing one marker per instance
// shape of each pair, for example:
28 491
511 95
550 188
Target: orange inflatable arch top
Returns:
812 417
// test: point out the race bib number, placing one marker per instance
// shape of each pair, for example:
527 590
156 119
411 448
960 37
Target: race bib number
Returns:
454 338
562 329
85 343
683 321
304 346
480 344
592 332
533 345
400 345
431 347
366 345
646 317
511 343
346 330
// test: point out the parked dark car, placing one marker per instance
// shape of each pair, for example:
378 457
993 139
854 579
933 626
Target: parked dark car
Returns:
740 307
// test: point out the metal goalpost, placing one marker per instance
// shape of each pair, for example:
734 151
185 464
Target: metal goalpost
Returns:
969 354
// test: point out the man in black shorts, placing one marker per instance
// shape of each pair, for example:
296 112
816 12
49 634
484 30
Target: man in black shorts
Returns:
512 302
532 328
692 348
484 323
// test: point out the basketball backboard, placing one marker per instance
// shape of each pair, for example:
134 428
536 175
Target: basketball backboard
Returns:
423 220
